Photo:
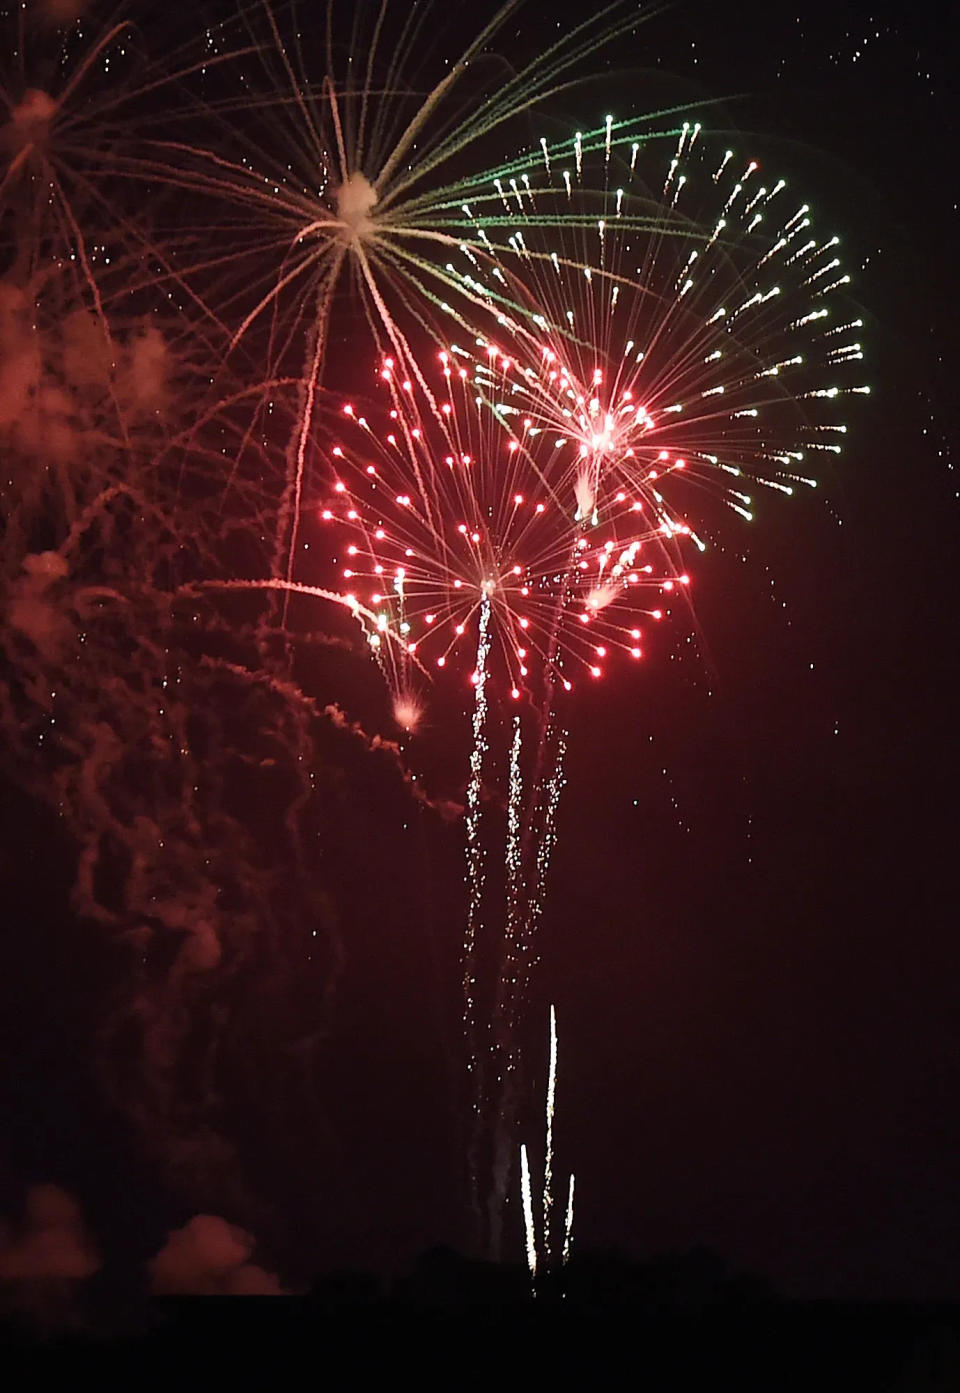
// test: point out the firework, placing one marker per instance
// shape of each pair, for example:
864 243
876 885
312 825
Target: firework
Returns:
325 174
684 323
557 475
538 1249
441 517
520 512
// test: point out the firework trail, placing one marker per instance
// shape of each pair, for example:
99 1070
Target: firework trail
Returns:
568 1225
475 860
514 861
529 1228
548 1150
539 1250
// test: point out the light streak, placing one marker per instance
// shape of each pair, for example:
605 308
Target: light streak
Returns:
474 847
528 1224
568 1224
548 1149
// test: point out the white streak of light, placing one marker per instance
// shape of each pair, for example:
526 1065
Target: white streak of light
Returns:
528 1213
568 1229
548 1166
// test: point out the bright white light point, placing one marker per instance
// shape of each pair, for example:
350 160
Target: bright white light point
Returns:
514 693
524 623
601 652
635 652
596 671
459 629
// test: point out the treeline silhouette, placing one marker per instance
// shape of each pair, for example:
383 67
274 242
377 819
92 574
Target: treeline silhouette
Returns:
605 1319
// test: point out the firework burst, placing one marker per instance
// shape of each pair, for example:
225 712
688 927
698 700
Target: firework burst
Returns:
521 511
444 516
342 168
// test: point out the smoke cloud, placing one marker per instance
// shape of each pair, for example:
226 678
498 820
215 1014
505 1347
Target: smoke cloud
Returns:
209 1257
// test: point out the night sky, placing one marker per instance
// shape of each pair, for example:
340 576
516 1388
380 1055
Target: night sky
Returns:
750 926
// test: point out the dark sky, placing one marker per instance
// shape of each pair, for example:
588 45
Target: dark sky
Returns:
750 929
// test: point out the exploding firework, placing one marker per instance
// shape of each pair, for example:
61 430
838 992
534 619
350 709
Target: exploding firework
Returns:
522 512
447 516
336 172
689 327
555 480
582 347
